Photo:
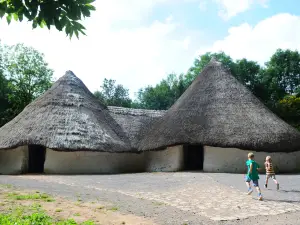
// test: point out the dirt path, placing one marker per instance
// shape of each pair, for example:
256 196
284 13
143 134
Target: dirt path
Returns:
59 208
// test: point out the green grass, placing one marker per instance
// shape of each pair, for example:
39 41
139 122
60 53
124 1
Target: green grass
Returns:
158 203
35 196
114 209
6 186
79 198
34 215
58 210
36 206
36 218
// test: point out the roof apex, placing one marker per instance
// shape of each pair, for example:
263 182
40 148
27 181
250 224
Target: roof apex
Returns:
70 72
215 61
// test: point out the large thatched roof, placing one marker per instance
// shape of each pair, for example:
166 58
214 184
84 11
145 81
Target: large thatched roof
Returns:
134 121
217 110
68 118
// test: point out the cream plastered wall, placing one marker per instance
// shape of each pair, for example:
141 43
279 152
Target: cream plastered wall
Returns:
229 160
84 162
232 160
14 161
168 160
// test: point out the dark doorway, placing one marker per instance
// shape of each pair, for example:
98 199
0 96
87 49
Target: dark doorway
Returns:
36 160
193 157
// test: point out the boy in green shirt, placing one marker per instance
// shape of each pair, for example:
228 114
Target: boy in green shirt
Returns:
252 174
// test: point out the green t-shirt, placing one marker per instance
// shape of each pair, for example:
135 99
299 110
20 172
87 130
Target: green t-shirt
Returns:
254 174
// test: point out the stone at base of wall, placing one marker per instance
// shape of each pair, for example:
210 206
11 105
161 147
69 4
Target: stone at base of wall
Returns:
233 160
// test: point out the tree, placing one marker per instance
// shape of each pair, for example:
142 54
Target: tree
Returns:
289 110
113 94
63 14
27 74
163 95
282 74
247 72
4 91
4 102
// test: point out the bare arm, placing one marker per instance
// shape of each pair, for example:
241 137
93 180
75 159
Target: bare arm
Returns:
267 166
251 167
258 168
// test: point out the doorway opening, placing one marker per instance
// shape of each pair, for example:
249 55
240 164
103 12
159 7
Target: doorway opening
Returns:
37 155
193 157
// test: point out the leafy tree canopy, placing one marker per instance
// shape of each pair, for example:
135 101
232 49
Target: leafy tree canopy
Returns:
26 76
163 95
113 94
289 110
63 14
282 74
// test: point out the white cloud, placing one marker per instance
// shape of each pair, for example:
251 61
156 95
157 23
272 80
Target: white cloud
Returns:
264 3
119 45
186 42
259 42
203 5
169 19
130 10
230 8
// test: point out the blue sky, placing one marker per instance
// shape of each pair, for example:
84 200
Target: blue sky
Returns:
138 43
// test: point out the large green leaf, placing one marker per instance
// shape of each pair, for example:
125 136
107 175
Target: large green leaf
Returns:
8 18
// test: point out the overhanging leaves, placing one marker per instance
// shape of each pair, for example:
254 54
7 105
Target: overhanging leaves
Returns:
62 14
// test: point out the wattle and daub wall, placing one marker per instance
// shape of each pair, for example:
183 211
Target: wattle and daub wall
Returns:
229 160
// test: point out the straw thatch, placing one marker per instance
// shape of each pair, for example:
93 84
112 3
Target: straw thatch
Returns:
217 110
66 118
134 121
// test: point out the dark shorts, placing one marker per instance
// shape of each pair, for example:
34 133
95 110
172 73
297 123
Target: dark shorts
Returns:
255 182
268 176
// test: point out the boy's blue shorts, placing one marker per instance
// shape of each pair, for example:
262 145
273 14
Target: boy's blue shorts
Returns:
255 182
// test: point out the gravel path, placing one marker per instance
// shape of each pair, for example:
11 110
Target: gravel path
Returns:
177 198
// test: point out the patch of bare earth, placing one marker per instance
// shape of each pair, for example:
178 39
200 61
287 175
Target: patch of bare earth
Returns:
60 208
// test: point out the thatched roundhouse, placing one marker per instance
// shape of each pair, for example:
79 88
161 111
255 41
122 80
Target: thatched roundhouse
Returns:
216 122
212 126
66 130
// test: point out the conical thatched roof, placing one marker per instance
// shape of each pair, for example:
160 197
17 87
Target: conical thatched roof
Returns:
135 121
217 110
68 118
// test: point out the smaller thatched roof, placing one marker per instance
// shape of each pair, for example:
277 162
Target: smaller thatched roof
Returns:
134 121
67 117
217 110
